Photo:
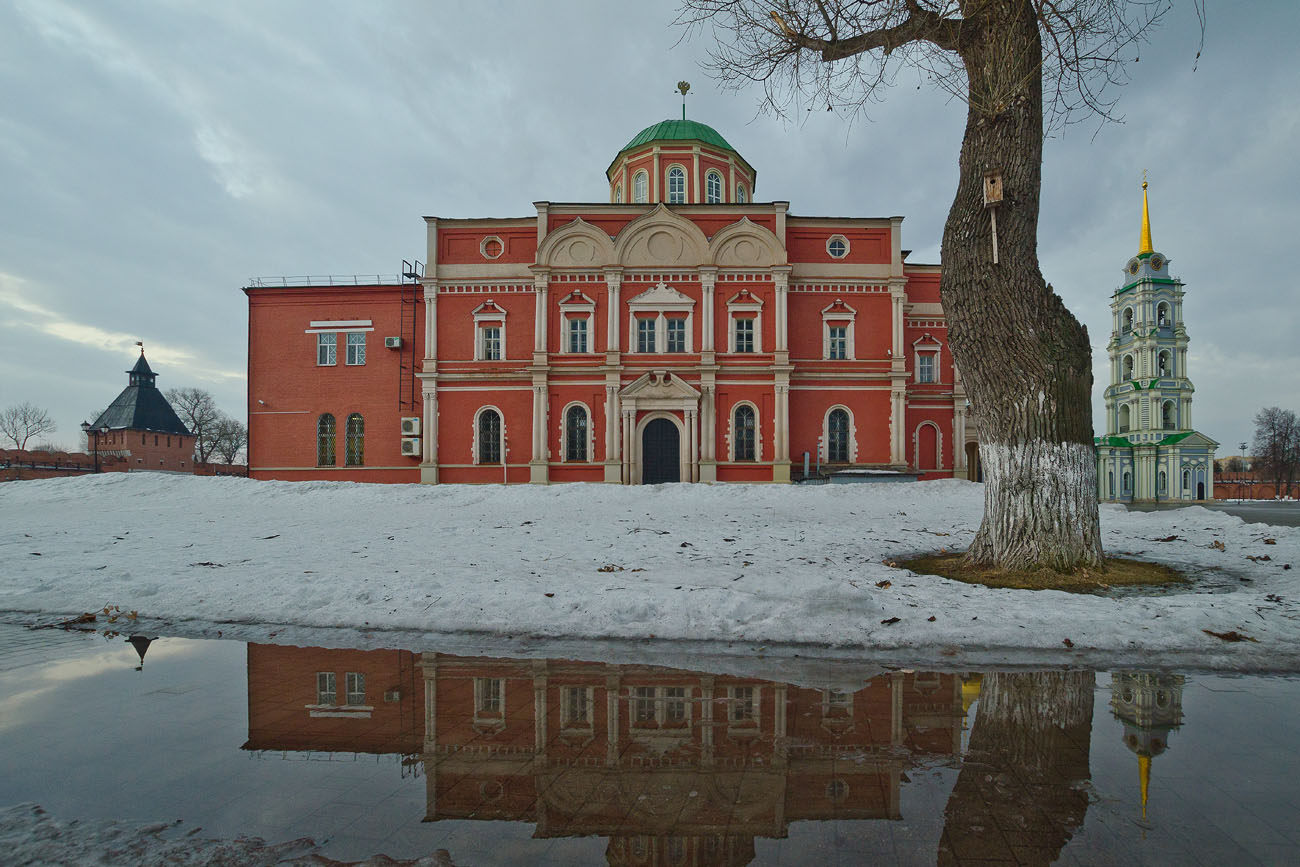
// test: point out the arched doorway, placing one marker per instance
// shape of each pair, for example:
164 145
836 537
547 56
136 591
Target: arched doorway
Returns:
660 453
1200 490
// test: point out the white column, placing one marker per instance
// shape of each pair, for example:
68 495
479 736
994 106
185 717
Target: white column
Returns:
898 299
898 427
960 470
629 433
781 280
707 281
611 720
430 322
613 283
429 430
693 444
540 285
782 423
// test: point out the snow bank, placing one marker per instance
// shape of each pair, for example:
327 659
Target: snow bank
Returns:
711 563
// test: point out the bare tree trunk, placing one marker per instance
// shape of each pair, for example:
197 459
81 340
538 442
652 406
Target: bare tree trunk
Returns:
1025 359
1019 796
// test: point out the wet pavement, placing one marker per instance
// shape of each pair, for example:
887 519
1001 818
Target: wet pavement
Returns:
1278 513
557 761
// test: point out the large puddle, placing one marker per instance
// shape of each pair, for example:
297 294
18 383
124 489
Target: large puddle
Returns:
553 761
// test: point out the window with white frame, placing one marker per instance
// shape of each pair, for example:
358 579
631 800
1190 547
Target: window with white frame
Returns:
327 692
744 434
645 334
661 707
327 349
925 367
743 705
837 342
676 186
837 331
643 705
713 188
489 342
676 334
356 684
838 436
489 332
741 196
577 333
640 188
742 334
488 436
837 704
926 359
575 707
837 246
489 701
356 348
575 433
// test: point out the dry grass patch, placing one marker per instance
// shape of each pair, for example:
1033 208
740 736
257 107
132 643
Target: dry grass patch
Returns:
1119 572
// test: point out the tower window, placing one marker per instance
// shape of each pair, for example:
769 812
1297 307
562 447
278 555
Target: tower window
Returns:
1127 325
676 186
618 194
741 196
640 188
713 188
1162 315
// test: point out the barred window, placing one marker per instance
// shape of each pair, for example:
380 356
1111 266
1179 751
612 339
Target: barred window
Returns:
326 689
837 437
575 434
677 334
743 432
327 348
356 348
325 431
356 683
489 437
354 451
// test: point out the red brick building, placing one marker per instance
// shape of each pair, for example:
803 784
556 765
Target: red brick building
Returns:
680 331
140 430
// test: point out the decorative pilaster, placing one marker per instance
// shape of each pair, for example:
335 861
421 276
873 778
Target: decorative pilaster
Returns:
708 279
538 471
612 687
781 281
541 284
629 435
541 735
898 424
613 283
430 324
781 464
693 444
613 430
708 429
429 429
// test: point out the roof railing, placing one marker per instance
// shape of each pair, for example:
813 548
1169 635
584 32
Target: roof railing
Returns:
328 280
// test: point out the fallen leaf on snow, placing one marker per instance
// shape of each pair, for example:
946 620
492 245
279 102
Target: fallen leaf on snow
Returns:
884 584
890 621
1232 635
1067 642
1216 545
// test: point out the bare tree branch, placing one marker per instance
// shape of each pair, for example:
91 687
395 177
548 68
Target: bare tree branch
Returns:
23 421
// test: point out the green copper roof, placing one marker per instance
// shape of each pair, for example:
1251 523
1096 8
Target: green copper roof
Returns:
1173 438
1114 442
678 130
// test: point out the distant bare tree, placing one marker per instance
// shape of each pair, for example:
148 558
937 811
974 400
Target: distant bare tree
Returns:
1276 449
21 422
198 409
230 439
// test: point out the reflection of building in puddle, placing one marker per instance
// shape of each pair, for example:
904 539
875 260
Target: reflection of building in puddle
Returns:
1150 706
672 766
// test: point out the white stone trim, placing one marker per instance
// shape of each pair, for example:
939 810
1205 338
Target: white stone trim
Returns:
722 188
916 445
683 443
482 247
847 247
731 432
825 444
585 308
931 346
487 312
636 198
660 300
829 318
564 433
319 326
473 446
668 188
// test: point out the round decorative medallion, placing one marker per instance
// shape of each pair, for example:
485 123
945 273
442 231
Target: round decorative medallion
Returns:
491 247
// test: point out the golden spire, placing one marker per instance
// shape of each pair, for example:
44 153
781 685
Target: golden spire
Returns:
1144 775
1146 248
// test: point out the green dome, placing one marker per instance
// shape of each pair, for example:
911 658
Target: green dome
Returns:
679 130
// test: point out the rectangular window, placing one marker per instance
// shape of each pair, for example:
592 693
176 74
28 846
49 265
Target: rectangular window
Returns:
742 704
356 683
326 691
839 343
327 349
744 329
925 367
487 696
576 710
674 705
491 337
643 705
578 335
677 335
645 335
356 348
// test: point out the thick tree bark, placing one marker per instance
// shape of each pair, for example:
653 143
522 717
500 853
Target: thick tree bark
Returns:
1025 359
1020 794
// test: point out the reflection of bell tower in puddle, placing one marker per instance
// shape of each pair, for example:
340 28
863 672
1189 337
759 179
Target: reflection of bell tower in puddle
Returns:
1151 708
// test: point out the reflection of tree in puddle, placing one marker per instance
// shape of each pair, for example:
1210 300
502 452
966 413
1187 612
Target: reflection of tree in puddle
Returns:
1021 793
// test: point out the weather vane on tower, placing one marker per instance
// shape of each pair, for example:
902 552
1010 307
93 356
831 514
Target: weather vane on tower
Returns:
683 87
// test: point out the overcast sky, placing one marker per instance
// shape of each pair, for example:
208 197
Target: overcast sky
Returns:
154 156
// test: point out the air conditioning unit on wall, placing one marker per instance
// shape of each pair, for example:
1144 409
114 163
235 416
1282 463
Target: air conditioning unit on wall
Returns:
411 426
393 342
411 446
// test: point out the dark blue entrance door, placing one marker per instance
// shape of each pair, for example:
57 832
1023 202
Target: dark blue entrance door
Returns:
660 453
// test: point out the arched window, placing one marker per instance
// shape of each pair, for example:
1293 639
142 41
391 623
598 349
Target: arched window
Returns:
354 450
1127 321
1167 415
575 434
1163 365
325 430
1128 367
713 188
741 196
744 434
837 437
1124 415
1162 315
1187 480
1164 482
1110 477
676 186
618 193
640 188
489 437
1127 482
